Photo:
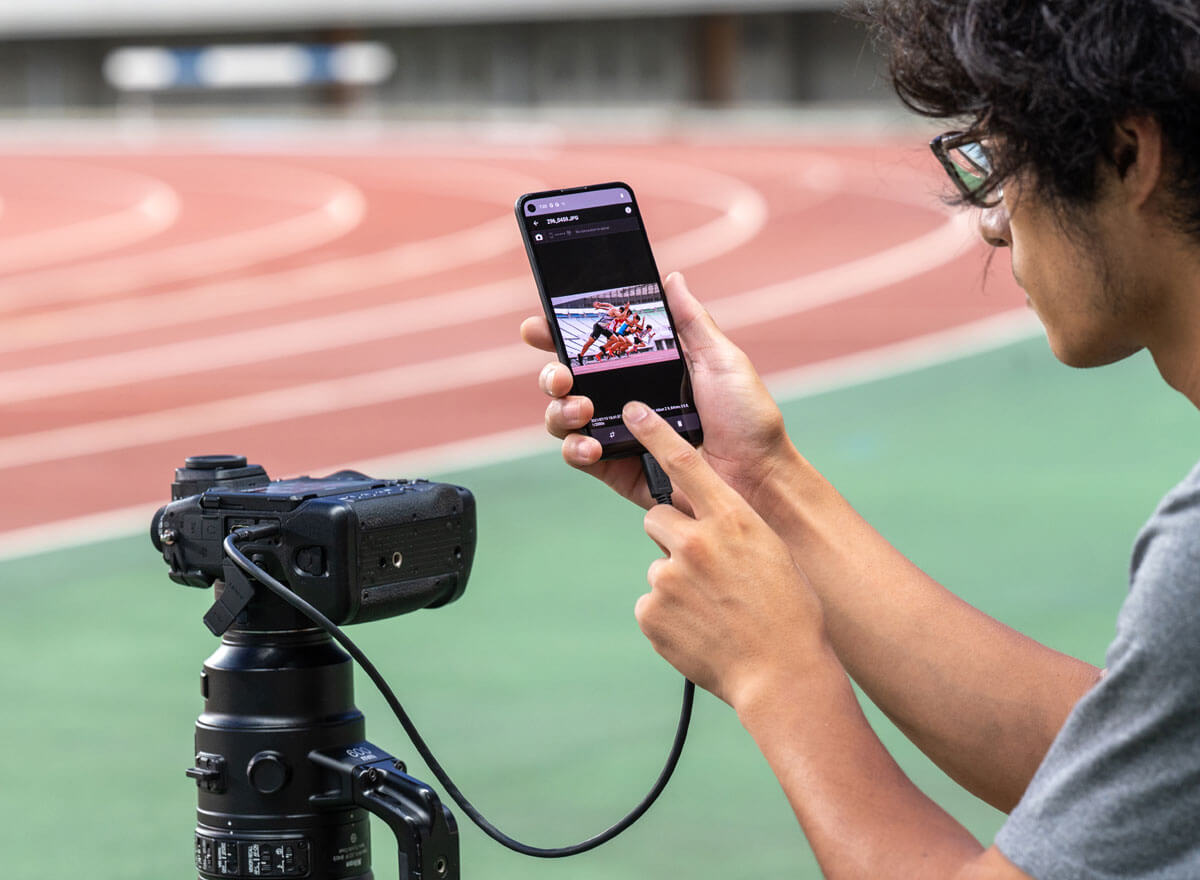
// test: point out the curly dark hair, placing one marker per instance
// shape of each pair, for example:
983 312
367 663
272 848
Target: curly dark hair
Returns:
1050 79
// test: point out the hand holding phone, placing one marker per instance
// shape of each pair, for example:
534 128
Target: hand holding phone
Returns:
604 301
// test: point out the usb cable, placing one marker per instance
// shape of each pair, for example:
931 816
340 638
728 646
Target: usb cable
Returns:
657 480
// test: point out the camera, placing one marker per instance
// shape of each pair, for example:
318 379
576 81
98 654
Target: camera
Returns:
284 774
531 207
356 548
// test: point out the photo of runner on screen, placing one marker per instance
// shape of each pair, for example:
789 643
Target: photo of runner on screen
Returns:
608 329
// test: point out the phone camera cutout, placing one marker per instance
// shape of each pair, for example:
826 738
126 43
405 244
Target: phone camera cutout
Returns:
531 207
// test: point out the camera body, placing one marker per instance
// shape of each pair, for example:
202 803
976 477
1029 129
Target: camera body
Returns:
285 776
356 548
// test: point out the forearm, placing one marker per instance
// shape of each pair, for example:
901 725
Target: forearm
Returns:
980 699
765 651
860 813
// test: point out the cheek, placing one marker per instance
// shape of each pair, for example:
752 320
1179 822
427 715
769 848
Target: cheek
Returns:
1026 254
1054 275
1069 297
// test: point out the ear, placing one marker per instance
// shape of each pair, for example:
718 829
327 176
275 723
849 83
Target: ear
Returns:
1138 156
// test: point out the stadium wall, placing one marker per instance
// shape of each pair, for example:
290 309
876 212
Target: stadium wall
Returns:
726 59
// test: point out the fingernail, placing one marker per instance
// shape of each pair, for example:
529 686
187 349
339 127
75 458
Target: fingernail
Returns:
634 411
578 448
547 372
572 411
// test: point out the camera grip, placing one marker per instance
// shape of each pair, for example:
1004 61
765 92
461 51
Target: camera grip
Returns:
387 600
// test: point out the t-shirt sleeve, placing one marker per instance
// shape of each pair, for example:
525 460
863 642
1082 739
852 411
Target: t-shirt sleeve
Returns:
1119 791
1118 794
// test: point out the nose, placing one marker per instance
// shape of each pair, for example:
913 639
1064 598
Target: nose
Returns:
993 226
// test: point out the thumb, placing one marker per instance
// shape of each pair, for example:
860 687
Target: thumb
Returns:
697 330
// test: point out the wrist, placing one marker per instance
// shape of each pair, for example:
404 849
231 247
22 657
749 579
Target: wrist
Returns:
771 687
785 481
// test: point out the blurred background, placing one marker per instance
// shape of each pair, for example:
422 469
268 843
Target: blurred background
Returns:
450 58
284 230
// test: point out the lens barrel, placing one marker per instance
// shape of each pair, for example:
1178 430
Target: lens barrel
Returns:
269 700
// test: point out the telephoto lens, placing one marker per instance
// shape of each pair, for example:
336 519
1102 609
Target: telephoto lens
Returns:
270 700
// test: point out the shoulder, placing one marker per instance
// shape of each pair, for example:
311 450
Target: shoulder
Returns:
1176 516
1165 567
1118 795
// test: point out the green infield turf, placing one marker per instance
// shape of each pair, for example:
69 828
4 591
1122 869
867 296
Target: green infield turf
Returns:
1017 482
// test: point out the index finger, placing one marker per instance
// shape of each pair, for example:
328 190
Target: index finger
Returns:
688 471
535 331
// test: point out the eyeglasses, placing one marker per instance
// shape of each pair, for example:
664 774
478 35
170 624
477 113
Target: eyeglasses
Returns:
966 160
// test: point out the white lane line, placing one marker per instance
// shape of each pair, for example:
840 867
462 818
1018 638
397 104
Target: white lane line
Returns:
441 310
156 208
964 341
909 355
343 208
767 303
744 213
313 398
930 350
229 299
845 280
743 208
950 240
851 279
403 262
76 532
340 207
260 344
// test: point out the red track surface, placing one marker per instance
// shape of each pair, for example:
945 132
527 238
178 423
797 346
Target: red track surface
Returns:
308 309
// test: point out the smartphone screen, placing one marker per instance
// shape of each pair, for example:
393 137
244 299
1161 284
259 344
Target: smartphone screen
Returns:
604 300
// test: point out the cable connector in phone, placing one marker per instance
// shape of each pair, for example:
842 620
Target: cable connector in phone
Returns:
657 480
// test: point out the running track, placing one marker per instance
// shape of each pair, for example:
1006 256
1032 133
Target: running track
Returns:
311 306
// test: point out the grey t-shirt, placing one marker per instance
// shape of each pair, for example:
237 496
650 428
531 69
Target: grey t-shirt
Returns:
1118 794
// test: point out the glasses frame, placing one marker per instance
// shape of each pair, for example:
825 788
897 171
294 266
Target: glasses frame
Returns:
943 144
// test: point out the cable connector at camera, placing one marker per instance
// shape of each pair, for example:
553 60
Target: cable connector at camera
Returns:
657 480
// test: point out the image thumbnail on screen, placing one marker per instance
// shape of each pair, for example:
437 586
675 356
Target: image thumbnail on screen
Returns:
619 327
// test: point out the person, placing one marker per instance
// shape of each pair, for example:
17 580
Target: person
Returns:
614 315
623 337
1078 138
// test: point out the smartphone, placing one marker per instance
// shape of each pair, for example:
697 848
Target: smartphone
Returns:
604 300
